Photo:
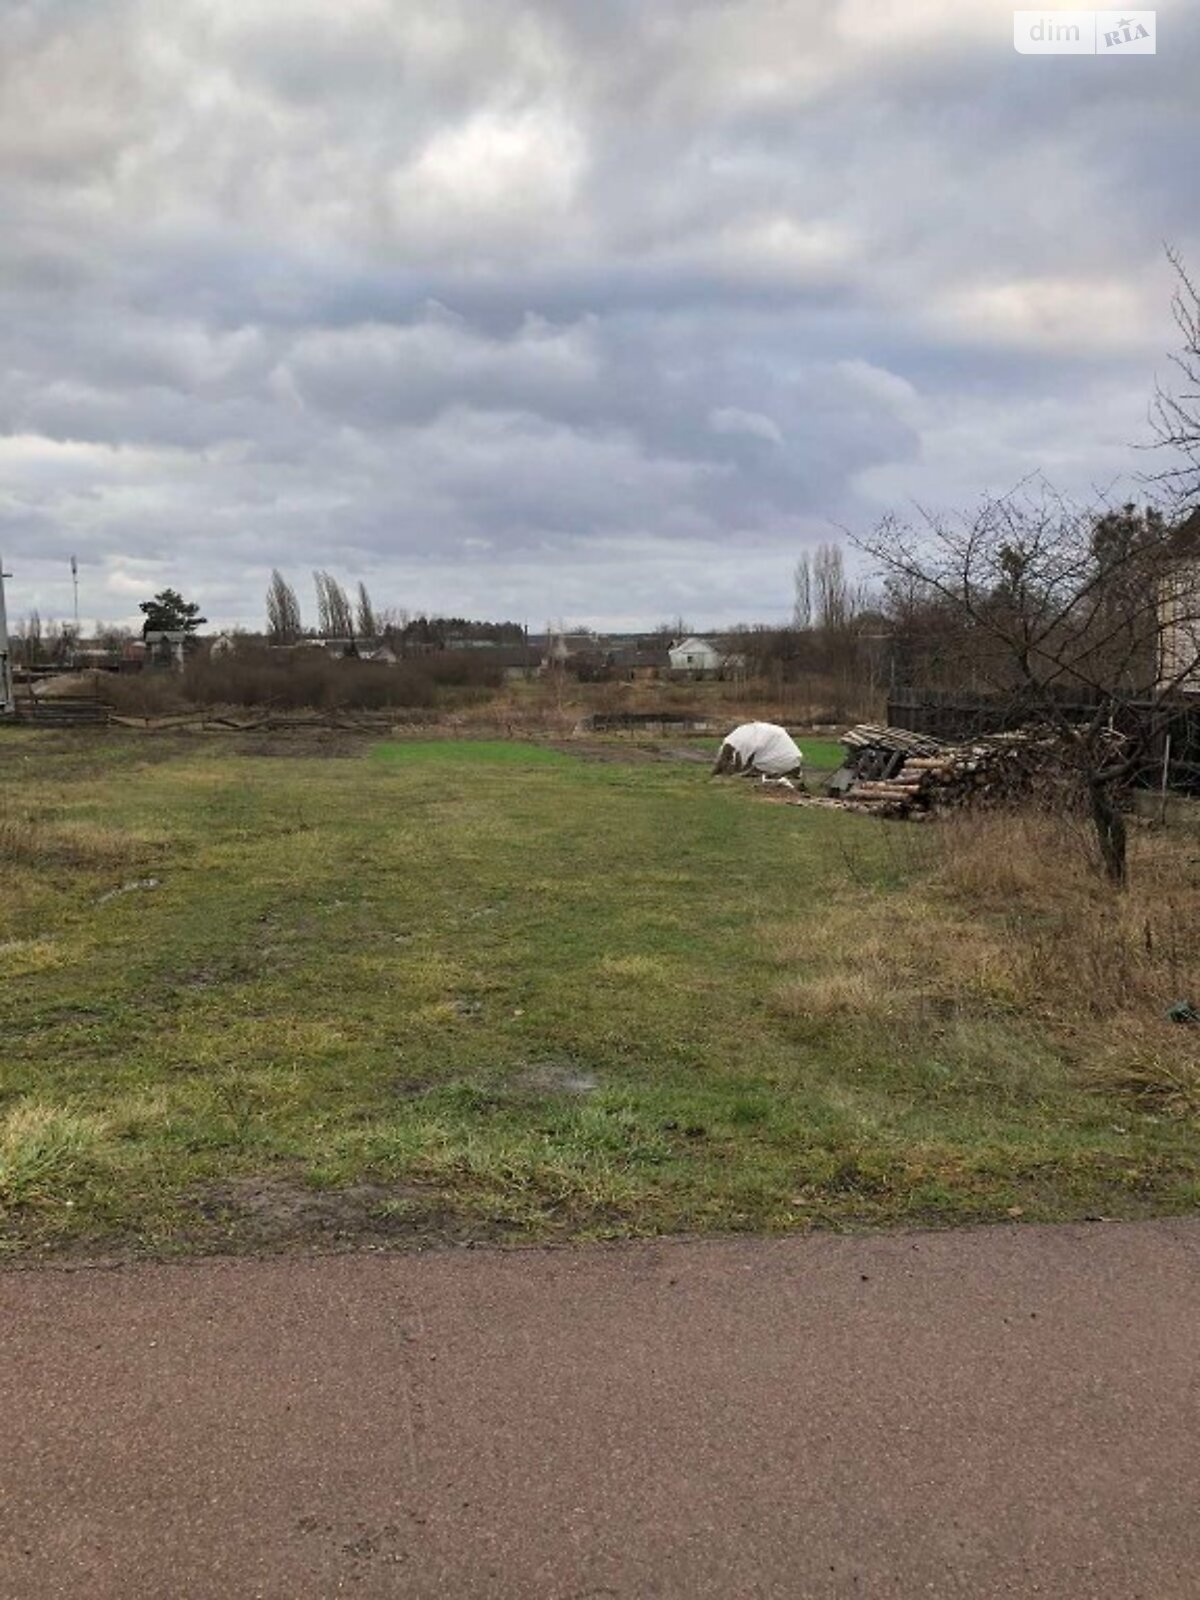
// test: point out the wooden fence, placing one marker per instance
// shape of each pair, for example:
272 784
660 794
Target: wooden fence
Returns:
958 718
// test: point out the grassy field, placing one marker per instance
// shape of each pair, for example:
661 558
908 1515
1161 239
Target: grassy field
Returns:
495 990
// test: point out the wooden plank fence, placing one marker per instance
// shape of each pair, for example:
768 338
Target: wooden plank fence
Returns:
958 718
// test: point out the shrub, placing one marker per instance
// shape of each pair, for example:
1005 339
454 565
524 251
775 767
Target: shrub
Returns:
286 680
307 678
462 669
141 694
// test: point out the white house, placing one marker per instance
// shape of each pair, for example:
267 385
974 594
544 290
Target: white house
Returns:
699 657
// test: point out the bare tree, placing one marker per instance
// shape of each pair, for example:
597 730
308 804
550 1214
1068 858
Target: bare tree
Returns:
283 610
368 625
29 631
392 625
802 604
832 603
668 633
340 610
1085 624
324 626
61 640
334 613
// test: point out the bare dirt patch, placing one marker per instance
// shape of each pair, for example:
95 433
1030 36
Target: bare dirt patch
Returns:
278 1213
556 1077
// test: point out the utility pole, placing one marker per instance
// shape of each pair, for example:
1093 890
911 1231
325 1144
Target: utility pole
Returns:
6 678
75 583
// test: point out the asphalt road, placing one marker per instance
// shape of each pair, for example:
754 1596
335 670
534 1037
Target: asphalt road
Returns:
1012 1411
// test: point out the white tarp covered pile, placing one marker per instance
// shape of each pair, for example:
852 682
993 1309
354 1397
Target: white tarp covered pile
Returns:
759 747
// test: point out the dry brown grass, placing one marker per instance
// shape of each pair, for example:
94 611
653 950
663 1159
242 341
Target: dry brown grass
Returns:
901 961
28 840
1004 915
1079 948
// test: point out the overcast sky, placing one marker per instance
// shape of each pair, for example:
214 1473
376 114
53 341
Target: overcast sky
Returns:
591 309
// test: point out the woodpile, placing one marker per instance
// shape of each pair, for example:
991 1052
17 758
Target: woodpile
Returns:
894 773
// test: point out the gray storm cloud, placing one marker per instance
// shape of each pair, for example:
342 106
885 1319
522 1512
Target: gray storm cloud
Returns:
558 308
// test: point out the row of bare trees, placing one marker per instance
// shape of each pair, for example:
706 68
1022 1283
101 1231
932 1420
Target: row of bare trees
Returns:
832 654
338 617
35 641
827 600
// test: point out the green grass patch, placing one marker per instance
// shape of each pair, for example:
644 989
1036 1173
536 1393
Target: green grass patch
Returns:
488 988
823 755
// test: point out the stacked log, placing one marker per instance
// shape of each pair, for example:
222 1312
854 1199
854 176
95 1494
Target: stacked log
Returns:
994 771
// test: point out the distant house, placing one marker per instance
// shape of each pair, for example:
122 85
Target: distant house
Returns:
165 648
222 645
516 661
639 665
696 658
